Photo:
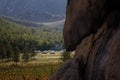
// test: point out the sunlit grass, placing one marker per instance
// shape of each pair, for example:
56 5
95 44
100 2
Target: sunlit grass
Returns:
39 69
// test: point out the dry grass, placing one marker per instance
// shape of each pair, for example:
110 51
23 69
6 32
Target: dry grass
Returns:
39 69
27 71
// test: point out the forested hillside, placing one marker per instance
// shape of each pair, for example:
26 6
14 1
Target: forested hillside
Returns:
16 38
56 25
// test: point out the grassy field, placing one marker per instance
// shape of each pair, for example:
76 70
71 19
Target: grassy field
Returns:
47 58
39 69
27 71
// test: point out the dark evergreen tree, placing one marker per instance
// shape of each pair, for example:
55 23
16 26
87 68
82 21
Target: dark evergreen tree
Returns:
66 56
16 55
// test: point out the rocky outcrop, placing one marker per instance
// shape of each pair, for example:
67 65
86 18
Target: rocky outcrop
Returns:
92 28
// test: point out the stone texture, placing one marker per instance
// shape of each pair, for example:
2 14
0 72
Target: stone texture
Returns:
92 28
83 17
97 65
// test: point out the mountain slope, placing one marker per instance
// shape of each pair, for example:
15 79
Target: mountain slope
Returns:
56 25
34 10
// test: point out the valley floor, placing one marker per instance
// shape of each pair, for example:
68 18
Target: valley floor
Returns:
39 69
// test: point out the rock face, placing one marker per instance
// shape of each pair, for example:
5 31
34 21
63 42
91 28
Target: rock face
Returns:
92 28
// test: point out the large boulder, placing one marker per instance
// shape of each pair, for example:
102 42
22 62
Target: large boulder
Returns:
92 28
85 17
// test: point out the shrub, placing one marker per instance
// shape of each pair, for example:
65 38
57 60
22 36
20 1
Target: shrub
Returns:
66 56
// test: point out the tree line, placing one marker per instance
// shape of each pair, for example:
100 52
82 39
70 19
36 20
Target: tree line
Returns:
16 39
